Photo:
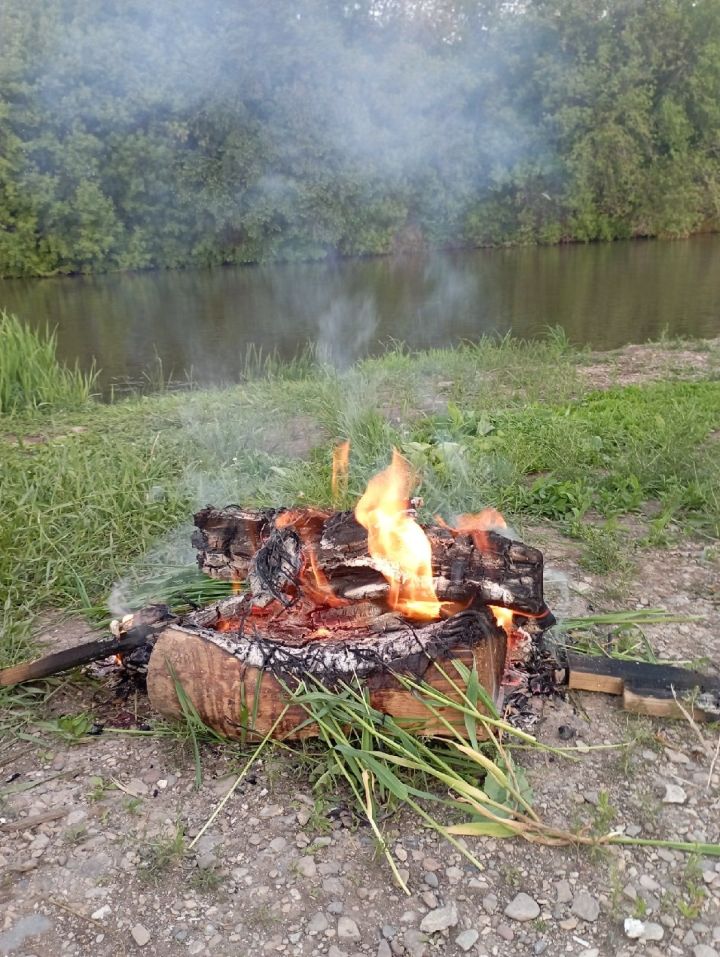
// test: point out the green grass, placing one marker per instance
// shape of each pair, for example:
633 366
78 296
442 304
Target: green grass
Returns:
93 493
30 374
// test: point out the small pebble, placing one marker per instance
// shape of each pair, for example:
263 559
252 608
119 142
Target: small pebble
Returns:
140 934
466 940
585 906
674 794
347 929
522 908
439 919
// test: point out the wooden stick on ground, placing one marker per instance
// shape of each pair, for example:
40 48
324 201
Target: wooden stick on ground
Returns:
647 688
131 636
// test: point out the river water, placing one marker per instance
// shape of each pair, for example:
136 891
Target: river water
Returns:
203 320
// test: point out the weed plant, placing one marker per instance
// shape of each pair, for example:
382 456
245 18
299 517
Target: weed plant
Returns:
31 377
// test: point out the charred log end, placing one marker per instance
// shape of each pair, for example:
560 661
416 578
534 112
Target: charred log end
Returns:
239 685
229 537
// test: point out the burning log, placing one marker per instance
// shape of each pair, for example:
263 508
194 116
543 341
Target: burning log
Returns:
238 667
488 568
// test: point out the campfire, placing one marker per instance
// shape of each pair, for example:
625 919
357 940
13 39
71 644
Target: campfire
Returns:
335 597
329 599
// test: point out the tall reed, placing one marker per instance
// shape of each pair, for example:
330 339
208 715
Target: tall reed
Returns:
30 373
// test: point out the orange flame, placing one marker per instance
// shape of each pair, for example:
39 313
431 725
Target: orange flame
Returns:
340 467
476 526
397 543
504 617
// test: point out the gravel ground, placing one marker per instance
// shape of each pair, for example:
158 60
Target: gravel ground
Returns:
91 863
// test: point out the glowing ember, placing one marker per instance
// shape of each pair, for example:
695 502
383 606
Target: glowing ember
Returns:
320 590
397 543
315 585
340 466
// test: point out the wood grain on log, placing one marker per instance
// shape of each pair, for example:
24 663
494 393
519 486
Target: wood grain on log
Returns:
504 572
238 682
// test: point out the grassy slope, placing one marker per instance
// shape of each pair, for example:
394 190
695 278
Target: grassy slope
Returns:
500 424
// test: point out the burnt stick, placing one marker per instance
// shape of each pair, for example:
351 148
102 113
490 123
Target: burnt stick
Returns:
131 635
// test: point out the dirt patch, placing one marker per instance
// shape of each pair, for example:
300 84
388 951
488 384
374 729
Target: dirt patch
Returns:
41 438
293 438
636 364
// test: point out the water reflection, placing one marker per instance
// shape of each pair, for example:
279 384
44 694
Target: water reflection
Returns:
604 295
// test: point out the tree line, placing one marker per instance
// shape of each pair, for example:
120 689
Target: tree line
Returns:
138 134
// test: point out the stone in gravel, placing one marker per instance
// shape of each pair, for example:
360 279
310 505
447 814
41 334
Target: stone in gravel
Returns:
334 886
102 912
306 867
702 950
674 794
336 952
522 907
415 943
278 844
388 931
539 947
466 939
439 919
563 892
590 952
430 879
347 929
639 930
507 933
585 906
384 949
317 924
140 934
429 899
569 924
137 788
490 903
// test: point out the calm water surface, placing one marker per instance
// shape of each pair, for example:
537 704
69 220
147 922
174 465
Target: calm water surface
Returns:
603 295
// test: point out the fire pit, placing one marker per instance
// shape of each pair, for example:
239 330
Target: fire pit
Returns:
371 598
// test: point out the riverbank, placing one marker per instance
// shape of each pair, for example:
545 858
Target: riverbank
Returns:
539 430
608 462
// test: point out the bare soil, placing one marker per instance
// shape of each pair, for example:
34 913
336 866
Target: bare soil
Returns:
637 364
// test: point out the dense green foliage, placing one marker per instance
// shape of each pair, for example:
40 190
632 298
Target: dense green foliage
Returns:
30 374
137 134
